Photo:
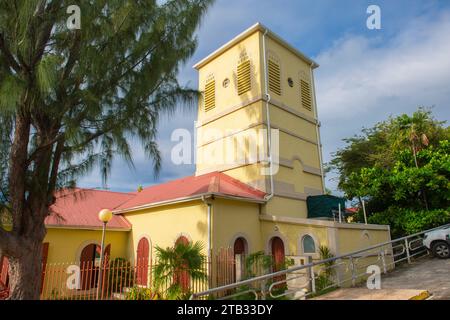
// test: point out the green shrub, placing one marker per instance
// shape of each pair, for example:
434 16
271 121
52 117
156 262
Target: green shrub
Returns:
138 293
120 273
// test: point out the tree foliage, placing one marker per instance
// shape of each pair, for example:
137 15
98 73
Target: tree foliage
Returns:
401 163
72 100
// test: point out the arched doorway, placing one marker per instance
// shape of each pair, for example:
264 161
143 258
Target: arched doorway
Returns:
182 276
240 246
277 247
89 266
277 253
240 249
142 262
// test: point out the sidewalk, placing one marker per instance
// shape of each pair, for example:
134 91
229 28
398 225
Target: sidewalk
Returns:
424 277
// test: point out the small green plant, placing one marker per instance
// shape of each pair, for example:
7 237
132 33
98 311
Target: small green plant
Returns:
138 293
324 279
54 294
257 263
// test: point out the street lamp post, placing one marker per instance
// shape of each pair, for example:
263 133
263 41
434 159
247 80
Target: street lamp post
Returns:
104 216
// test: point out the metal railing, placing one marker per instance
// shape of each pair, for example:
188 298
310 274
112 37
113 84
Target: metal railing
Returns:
121 280
318 277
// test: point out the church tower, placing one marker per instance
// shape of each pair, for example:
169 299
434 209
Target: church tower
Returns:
256 84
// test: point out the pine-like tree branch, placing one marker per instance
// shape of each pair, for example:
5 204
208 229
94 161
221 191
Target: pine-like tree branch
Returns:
11 61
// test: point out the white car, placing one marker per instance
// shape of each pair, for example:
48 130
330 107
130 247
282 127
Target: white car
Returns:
438 242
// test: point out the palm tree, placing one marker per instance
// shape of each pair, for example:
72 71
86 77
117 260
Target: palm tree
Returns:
176 266
413 131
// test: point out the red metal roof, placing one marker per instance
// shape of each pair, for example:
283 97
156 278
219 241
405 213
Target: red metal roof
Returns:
80 207
211 183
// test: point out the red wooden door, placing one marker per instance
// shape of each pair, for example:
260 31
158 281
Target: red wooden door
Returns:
239 246
4 269
182 276
278 253
142 260
44 262
87 265
278 258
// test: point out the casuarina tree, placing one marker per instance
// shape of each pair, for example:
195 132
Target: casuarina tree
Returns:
77 85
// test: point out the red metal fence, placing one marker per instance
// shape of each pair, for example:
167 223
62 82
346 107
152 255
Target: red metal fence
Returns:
122 280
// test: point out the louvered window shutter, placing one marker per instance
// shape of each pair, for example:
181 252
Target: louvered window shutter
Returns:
274 77
305 94
210 95
243 77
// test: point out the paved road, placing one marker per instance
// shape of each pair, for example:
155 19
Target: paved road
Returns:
428 273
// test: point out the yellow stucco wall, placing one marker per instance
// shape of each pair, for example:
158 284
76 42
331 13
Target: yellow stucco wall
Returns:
282 206
233 219
355 239
163 225
226 68
291 67
65 245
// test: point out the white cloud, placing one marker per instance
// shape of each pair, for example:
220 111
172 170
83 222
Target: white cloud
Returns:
363 80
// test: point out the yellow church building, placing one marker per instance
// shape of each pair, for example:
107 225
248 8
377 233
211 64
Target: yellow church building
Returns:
258 159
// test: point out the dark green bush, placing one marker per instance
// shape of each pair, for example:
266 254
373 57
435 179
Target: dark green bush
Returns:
406 221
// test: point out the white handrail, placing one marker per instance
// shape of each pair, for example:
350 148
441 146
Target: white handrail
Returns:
311 265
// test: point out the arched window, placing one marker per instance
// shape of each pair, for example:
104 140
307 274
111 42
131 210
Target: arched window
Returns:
308 244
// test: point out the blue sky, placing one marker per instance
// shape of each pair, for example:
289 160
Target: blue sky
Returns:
364 75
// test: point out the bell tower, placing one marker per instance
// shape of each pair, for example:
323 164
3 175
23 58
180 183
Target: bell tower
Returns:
254 85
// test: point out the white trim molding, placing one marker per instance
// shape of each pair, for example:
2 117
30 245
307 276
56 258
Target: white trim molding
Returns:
322 223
